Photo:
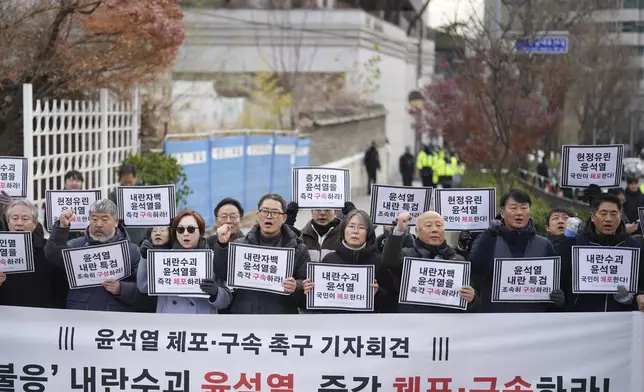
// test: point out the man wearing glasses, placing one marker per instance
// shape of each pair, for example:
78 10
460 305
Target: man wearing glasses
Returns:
270 230
228 212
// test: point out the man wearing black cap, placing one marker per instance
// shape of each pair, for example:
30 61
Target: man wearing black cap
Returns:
228 212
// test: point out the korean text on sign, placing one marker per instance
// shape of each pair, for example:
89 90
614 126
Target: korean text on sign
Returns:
466 209
16 252
321 188
434 282
525 280
585 165
92 265
147 206
259 268
343 287
599 269
179 271
13 176
78 201
388 202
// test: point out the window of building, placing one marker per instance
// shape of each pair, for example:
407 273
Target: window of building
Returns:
629 27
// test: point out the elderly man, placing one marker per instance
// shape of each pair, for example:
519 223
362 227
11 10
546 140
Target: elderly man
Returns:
46 287
104 228
228 212
429 244
513 237
270 230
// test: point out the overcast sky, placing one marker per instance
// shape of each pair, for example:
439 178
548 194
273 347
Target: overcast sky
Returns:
442 12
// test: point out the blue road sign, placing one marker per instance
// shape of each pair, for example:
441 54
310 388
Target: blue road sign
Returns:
543 45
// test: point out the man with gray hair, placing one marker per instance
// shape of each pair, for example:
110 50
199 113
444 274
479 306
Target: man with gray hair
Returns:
46 287
104 228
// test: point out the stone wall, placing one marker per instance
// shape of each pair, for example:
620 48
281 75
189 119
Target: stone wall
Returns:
335 138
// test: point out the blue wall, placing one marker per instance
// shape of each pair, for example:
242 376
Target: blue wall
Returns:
242 167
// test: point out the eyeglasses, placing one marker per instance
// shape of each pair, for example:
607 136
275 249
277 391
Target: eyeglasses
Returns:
272 214
190 229
231 216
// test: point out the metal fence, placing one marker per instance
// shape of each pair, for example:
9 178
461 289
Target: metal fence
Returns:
92 137
240 164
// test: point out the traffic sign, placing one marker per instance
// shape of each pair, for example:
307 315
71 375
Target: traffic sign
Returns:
542 45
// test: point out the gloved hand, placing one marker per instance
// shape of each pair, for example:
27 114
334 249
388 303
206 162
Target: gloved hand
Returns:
495 226
464 240
144 247
558 298
210 287
291 213
623 296
348 207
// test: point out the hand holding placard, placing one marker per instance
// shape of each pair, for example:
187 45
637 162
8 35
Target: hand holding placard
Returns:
66 218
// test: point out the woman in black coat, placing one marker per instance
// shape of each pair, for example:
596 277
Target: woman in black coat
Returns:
357 246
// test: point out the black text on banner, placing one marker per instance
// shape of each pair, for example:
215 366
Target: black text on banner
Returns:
259 268
434 282
146 206
16 253
529 280
179 271
91 266
321 188
601 269
341 287
387 202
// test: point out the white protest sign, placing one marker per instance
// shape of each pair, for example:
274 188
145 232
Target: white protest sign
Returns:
77 200
584 165
434 282
91 266
259 268
146 206
179 271
600 269
466 209
341 287
321 188
13 176
101 351
526 280
16 252
387 202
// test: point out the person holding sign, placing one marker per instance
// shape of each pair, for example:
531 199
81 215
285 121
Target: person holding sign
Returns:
513 237
270 231
187 232
430 245
322 233
73 181
45 287
604 228
104 228
357 246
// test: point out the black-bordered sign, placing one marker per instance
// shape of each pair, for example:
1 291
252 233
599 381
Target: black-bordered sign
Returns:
259 268
321 188
601 165
388 201
146 206
466 209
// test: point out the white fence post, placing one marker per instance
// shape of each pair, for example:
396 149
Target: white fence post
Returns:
28 135
136 120
104 107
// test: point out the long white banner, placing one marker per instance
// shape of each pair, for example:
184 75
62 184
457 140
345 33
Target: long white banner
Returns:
92 351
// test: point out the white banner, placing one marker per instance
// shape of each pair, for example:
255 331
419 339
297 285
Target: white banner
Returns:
434 282
321 188
92 265
387 202
179 271
341 286
101 351
259 268
600 269
525 280
16 252
146 206
13 176
77 200
584 165
466 209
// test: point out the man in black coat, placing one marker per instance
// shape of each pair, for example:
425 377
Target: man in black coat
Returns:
634 199
406 166
372 164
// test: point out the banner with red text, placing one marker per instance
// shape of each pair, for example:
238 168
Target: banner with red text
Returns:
101 351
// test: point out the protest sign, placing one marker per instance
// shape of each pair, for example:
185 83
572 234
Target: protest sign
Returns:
434 282
321 188
387 202
259 268
341 287
600 269
13 176
16 252
584 165
146 206
179 271
466 209
91 266
77 200
526 279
